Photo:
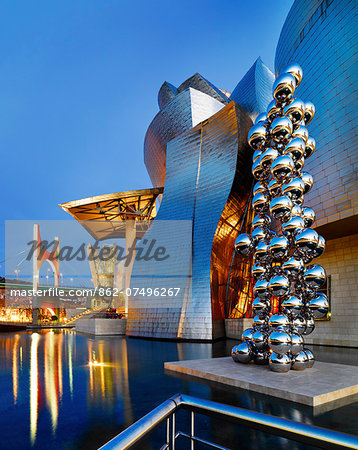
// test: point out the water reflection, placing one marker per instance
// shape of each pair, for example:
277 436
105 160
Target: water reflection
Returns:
71 391
15 366
51 371
34 386
108 374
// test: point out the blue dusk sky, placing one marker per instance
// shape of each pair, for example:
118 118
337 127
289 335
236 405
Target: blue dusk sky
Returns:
79 83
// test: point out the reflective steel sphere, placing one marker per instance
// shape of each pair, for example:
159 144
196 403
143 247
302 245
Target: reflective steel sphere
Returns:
263 220
281 129
308 216
257 136
247 334
243 244
294 188
262 252
300 361
284 87
282 167
260 306
279 285
310 147
299 324
308 181
268 156
295 148
297 343
279 247
258 235
279 320
280 208
310 326
261 289
314 276
295 70
242 353
258 321
309 112
261 118
273 110
257 155
295 110
292 306
293 226
319 306
258 270
261 358
301 132
320 247
279 341
274 187
306 241
260 203
299 165
310 357
260 340
259 188
296 210
280 362
293 267
257 170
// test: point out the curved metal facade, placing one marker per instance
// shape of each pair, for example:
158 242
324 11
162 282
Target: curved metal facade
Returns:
166 93
208 179
179 115
322 37
201 84
254 91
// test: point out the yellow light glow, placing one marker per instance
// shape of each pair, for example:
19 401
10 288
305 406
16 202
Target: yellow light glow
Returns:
15 367
33 387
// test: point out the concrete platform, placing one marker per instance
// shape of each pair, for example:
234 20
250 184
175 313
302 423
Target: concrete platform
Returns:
324 383
101 327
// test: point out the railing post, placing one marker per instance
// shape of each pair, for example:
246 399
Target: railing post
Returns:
173 432
192 433
168 433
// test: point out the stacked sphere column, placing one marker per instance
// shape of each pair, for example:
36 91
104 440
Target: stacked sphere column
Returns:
283 244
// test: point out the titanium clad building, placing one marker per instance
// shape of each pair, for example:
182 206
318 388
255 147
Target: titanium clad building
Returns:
197 147
322 37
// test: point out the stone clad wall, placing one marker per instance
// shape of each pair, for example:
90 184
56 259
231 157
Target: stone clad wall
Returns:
340 260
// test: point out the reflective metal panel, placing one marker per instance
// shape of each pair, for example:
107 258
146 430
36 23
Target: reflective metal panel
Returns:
179 115
254 91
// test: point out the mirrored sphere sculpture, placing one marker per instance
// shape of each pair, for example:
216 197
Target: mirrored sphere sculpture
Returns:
300 361
280 362
242 352
310 357
284 87
280 341
286 283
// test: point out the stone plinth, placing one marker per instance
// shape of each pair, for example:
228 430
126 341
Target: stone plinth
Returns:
101 327
235 327
323 383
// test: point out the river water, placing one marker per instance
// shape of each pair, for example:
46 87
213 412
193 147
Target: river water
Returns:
66 390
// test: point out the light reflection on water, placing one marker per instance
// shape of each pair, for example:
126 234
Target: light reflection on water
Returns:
62 390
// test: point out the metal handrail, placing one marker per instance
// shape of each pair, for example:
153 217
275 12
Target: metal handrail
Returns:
307 434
